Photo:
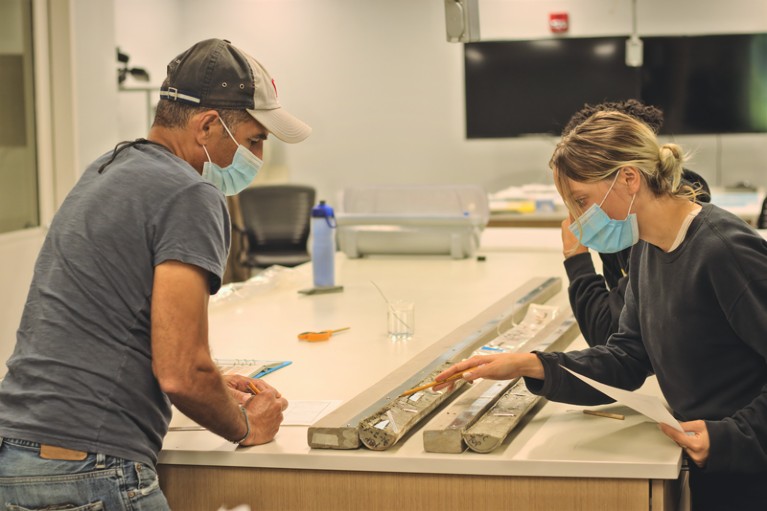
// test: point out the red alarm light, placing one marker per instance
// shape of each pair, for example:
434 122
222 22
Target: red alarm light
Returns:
559 22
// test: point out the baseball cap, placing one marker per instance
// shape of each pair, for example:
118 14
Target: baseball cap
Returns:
215 74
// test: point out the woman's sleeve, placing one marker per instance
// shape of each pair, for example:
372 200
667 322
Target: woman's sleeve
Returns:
739 442
622 363
596 308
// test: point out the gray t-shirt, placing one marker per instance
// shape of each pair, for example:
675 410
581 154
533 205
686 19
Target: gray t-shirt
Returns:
81 373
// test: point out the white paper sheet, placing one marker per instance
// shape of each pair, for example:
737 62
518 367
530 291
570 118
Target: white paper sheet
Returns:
649 406
306 413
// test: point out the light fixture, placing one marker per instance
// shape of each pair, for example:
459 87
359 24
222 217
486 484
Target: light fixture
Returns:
634 45
462 20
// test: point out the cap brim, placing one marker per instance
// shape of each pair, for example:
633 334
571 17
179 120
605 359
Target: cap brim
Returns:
283 125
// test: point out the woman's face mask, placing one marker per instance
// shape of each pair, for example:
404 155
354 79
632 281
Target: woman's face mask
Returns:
599 232
236 176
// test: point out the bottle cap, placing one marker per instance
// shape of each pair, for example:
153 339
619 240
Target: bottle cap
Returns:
322 210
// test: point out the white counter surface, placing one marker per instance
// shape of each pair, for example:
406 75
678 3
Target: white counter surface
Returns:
262 323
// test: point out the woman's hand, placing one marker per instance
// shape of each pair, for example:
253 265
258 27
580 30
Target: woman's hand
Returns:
694 440
494 367
570 244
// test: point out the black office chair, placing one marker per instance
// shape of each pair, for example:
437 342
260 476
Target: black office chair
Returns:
761 222
276 222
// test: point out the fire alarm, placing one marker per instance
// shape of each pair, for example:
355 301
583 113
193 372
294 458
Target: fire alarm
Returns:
559 22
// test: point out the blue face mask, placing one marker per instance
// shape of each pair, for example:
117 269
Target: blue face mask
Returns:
236 176
603 234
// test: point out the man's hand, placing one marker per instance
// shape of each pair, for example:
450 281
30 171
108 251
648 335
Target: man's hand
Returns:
264 409
239 387
265 416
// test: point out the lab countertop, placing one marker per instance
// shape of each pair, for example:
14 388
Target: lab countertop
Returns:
262 320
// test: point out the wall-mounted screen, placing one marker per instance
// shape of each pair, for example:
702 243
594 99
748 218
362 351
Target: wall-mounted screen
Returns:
707 84
526 87
704 84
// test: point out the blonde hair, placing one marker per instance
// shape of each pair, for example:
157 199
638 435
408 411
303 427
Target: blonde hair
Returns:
608 141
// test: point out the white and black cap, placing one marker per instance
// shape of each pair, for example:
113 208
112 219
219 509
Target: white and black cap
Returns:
215 74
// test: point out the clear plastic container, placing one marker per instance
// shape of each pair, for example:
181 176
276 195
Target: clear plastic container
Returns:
412 219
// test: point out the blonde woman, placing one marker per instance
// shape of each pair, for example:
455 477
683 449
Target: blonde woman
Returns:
695 312
597 300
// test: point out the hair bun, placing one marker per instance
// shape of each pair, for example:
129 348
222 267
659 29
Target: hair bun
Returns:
670 164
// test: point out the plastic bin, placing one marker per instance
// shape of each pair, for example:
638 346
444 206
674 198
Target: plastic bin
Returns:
412 219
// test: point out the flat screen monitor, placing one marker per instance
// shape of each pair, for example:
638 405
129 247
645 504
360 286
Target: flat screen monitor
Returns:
707 84
528 87
703 84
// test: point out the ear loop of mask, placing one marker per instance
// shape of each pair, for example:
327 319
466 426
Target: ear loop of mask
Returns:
631 204
615 180
228 132
611 189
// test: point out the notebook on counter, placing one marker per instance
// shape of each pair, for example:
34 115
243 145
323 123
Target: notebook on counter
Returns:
249 367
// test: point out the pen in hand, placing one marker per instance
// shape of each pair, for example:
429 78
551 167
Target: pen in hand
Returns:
454 377
253 388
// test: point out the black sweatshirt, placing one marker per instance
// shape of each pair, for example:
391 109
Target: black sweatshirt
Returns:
697 318
597 301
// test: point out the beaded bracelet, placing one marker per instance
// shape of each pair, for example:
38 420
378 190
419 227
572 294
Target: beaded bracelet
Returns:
247 425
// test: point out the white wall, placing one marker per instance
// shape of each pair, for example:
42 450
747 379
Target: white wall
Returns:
528 19
18 252
94 79
383 90
82 96
132 25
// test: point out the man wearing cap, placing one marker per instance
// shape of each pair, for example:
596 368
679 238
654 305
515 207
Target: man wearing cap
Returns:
115 325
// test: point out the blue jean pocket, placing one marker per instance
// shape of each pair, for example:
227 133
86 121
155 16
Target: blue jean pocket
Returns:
84 491
97 483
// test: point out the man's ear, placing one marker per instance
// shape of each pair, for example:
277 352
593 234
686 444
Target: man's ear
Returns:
631 178
202 126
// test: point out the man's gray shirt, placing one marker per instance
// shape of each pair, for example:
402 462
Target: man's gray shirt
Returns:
81 376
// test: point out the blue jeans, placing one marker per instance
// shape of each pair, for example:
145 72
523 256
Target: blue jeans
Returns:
97 483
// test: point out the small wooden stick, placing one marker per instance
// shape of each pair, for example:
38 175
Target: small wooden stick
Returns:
605 414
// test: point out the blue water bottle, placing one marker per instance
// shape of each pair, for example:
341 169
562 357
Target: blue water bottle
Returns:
323 245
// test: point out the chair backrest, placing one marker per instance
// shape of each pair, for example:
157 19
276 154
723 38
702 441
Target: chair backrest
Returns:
277 217
695 180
